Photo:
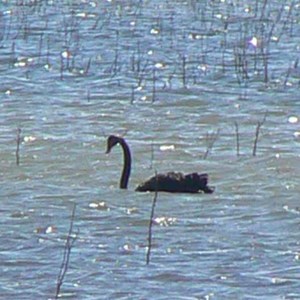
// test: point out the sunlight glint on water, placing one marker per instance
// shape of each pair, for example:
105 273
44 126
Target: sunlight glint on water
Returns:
177 80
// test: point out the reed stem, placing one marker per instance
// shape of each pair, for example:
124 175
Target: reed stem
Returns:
66 256
151 224
18 146
259 124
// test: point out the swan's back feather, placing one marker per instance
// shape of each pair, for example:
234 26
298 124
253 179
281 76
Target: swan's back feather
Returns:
175 182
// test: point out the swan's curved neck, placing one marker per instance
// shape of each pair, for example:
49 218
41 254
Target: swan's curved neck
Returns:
127 165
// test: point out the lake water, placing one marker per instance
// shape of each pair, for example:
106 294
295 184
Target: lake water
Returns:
176 79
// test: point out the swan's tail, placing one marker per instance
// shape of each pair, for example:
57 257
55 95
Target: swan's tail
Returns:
203 181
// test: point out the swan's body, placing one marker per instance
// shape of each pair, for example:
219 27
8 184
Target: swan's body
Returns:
172 182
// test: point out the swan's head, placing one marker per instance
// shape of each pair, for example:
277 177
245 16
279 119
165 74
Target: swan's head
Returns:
111 142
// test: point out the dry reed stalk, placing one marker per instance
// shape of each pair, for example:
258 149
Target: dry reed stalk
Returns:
184 71
151 224
259 124
210 140
153 85
132 95
152 156
66 256
237 138
18 139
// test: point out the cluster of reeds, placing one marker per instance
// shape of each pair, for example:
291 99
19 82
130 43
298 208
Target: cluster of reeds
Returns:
256 136
152 53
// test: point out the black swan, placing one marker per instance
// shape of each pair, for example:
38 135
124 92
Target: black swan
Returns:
170 182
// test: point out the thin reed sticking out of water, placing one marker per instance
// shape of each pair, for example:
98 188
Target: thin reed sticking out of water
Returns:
237 138
184 71
132 95
151 224
18 146
153 85
71 238
152 156
210 140
259 124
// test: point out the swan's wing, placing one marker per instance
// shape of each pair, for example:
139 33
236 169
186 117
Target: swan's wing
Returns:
161 182
176 183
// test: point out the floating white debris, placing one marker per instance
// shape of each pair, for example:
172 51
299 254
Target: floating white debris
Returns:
209 296
253 41
131 210
7 12
154 31
99 205
293 119
150 52
50 229
297 134
47 67
276 280
127 247
202 68
8 92
20 64
194 36
46 230
275 38
167 148
165 221
28 139
159 65
65 54
81 15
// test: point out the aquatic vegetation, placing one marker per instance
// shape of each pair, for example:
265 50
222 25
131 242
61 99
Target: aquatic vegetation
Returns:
243 42
189 83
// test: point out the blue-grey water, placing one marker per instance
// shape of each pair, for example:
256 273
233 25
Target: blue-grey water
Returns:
176 79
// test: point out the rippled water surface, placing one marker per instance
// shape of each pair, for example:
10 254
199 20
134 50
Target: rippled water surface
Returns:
177 79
